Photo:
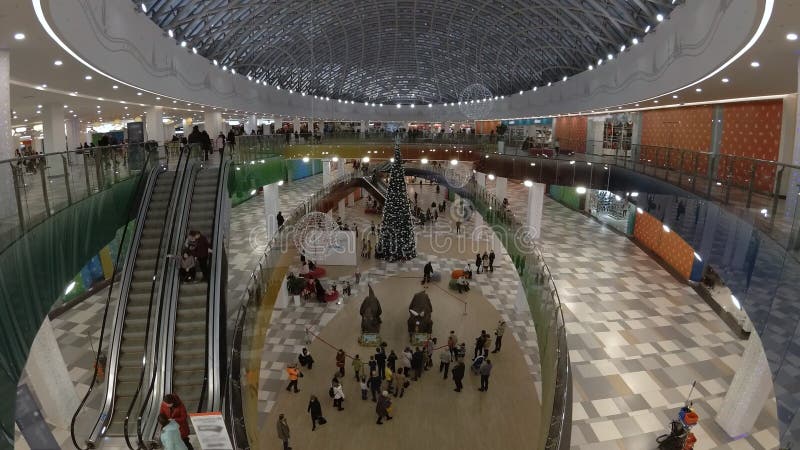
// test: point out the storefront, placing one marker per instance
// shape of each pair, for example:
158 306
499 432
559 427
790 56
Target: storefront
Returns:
613 134
538 133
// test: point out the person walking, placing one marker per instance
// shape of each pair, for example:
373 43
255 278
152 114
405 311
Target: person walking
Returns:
487 343
231 141
283 431
430 343
478 261
219 143
315 409
279 218
362 383
491 261
485 261
485 371
170 434
458 226
374 384
294 375
452 342
427 271
207 148
400 381
173 408
382 408
340 358
498 333
338 394
380 359
391 361
305 358
417 360
458 374
357 364
445 358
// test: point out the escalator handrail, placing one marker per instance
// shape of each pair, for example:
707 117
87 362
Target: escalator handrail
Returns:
160 264
212 387
143 207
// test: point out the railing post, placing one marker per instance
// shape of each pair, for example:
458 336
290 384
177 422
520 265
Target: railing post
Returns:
696 158
16 174
728 180
667 164
712 168
66 180
98 162
680 169
751 184
86 173
776 194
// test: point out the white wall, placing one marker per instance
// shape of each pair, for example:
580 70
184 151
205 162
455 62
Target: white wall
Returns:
115 38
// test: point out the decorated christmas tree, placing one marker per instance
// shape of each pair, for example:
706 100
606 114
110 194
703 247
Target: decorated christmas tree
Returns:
396 241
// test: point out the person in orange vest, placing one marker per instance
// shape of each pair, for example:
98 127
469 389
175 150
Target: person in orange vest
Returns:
294 375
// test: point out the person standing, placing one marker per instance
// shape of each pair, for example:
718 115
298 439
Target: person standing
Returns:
305 358
491 261
417 360
382 408
458 374
357 364
487 343
338 394
173 408
485 261
498 332
315 409
380 358
231 141
430 343
458 226
485 371
340 357
294 374
452 341
279 218
391 361
400 381
362 383
427 271
478 261
206 145
200 248
374 383
283 431
445 358
219 143
479 341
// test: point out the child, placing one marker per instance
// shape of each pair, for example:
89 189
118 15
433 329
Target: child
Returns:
363 385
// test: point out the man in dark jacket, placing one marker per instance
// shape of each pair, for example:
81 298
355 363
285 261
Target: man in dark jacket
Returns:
427 272
491 261
231 141
280 220
458 374
200 248
485 371
382 408
380 359
417 359
374 385
206 144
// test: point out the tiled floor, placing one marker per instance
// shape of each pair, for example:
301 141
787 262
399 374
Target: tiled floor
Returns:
637 338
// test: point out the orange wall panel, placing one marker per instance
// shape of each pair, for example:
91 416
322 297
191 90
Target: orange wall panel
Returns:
571 133
486 126
685 128
751 130
668 246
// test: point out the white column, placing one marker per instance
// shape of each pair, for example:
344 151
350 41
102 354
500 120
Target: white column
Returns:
327 173
271 204
154 125
751 385
480 178
7 145
363 129
53 126
296 124
251 124
213 123
793 175
535 206
187 126
49 377
74 134
342 210
500 186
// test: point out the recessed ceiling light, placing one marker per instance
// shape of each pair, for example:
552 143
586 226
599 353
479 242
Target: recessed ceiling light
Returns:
564 79
183 44
622 48
791 36
755 64
636 104
635 41
87 77
549 83
655 101
144 8
725 80
139 94
591 67
647 29
535 88
170 33
674 96
699 90
58 62
660 17
115 87
39 106
19 36
610 56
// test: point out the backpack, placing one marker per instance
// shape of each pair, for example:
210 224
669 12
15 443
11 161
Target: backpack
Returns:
330 392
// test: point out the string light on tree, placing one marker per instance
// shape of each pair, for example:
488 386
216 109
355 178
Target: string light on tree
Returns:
396 241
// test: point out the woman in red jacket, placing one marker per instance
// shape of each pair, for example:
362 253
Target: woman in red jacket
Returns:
173 407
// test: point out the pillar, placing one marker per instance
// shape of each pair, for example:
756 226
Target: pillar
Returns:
213 123
327 172
187 126
363 129
480 178
535 207
251 124
74 134
790 152
271 205
53 127
154 125
342 210
500 185
50 379
748 392
296 124
8 202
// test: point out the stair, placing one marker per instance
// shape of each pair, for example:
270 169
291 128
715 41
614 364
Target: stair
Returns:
189 349
134 331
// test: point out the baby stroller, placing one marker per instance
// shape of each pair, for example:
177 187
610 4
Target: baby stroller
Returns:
477 363
680 436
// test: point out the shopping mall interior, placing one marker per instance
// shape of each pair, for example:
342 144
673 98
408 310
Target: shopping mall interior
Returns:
542 224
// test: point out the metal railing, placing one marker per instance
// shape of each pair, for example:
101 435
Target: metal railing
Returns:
39 186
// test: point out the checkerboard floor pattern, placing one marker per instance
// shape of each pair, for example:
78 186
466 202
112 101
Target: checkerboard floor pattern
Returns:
637 340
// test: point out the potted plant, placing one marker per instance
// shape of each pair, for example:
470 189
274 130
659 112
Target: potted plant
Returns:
501 131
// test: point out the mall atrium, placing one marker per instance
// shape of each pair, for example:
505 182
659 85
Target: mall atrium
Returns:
517 224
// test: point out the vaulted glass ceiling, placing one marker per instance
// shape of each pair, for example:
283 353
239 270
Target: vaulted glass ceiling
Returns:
422 51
